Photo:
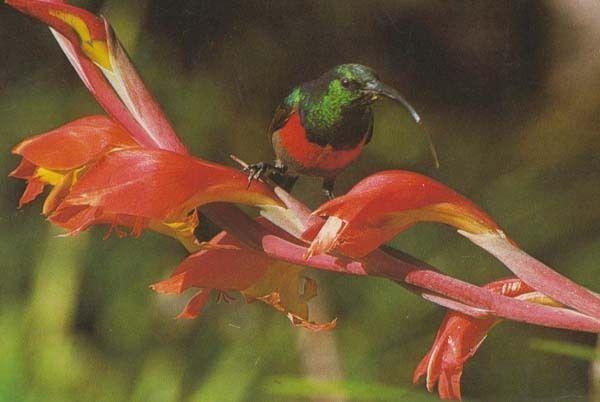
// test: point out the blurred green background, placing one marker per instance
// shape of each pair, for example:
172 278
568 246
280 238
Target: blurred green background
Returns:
509 92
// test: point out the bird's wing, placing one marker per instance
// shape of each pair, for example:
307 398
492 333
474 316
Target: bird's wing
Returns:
370 129
281 116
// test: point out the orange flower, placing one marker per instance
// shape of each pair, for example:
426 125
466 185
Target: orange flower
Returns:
100 175
60 157
228 265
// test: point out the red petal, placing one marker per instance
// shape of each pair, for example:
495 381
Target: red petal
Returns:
88 43
139 101
46 11
74 144
77 218
224 269
25 170
387 203
457 340
33 189
254 274
158 185
196 305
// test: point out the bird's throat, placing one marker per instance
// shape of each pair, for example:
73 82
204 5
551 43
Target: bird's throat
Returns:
340 128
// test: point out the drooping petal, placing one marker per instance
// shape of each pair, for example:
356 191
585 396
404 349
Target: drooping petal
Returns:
196 304
460 336
26 171
225 269
231 266
34 188
379 207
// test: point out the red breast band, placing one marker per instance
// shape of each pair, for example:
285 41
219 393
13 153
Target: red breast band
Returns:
311 155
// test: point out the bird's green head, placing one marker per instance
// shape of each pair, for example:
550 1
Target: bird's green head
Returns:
350 86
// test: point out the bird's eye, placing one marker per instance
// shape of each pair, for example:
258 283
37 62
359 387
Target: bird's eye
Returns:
345 82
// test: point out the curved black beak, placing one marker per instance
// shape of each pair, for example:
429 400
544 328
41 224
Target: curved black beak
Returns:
377 89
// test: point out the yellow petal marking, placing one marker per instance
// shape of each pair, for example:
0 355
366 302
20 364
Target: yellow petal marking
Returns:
539 298
48 176
293 289
96 50
181 230
447 213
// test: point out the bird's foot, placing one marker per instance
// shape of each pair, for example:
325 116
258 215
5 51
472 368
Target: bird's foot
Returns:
256 170
328 185
329 194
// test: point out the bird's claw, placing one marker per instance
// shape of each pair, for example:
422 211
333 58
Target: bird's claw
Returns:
256 170
328 185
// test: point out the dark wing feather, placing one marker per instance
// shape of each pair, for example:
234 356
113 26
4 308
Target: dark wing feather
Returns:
281 116
370 129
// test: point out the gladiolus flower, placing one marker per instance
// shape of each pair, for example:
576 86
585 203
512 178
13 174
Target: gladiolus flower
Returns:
460 336
228 265
155 188
101 176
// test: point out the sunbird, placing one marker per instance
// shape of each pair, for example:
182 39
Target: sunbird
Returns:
322 126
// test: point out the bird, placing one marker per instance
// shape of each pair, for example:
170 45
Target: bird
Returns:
322 126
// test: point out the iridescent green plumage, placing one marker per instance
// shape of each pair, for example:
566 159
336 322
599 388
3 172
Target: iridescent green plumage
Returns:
335 114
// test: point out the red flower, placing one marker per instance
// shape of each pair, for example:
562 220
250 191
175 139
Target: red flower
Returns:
137 188
387 203
100 175
155 188
379 207
460 336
